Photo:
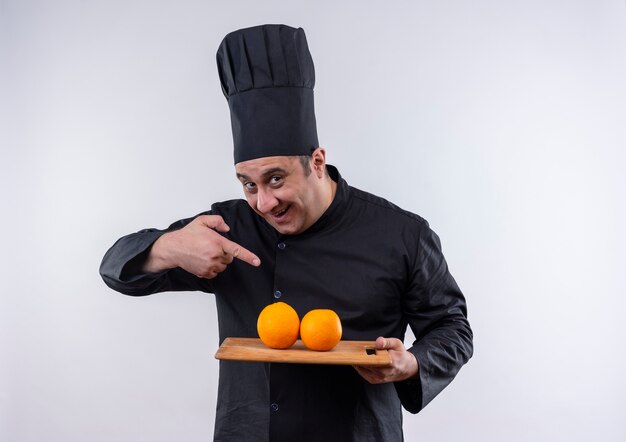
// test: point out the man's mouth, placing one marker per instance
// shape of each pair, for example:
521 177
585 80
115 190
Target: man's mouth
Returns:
279 214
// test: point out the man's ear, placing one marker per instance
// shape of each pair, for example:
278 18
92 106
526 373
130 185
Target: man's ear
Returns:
318 160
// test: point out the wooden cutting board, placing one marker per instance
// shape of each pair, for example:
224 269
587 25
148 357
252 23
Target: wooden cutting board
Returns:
345 353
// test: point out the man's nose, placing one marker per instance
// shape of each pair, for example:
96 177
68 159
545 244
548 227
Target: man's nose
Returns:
265 201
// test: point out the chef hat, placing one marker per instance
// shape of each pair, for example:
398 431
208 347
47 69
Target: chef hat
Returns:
267 76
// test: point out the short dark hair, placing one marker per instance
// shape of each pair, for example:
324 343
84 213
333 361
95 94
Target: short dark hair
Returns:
305 160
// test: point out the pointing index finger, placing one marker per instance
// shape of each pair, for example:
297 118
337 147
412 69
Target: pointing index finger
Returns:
241 253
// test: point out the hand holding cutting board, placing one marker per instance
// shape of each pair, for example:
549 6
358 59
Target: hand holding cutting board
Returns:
403 366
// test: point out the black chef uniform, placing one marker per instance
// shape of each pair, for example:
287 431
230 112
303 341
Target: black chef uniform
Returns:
379 267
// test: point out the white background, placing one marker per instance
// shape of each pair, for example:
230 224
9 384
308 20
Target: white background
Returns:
501 122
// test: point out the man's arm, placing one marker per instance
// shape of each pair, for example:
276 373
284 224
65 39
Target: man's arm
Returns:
437 314
183 257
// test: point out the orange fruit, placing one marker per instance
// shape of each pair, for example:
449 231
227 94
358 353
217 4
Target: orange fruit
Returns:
320 329
278 325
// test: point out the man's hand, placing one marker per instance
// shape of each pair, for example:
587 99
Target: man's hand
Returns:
198 249
403 364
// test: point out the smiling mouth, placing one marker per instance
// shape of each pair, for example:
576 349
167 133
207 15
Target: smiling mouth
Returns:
280 213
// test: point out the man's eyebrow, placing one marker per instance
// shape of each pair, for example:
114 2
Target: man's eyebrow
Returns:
274 170
266 173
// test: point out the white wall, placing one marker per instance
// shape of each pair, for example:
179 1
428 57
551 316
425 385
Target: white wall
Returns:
502 123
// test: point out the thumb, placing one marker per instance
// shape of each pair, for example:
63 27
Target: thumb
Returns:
215 222
389 344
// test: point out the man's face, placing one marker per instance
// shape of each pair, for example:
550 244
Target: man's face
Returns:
279 190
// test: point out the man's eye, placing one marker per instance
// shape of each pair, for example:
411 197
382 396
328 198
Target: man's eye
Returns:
248 185
276 179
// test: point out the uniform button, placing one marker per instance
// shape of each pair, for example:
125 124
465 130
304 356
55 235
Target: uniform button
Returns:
277 294
282 245
274 406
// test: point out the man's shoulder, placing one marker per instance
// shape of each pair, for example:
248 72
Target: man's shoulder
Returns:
235 208
385 207
230 205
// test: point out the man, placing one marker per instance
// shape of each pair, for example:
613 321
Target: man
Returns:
305 237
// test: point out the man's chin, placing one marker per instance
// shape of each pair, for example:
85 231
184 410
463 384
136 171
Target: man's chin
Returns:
285 229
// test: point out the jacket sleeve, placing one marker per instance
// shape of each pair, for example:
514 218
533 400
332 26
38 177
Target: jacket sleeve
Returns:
437 314
121 266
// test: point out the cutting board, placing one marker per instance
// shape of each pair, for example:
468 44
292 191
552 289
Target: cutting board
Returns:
344 353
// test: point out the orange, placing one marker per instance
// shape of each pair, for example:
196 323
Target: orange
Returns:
278 325
320 329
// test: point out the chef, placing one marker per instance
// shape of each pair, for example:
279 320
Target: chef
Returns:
304 236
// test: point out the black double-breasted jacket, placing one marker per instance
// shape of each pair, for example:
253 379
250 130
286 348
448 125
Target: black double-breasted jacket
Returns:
379 267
